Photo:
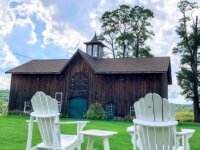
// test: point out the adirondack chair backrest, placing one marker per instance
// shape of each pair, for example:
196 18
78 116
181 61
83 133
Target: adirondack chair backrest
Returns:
152 108
45 108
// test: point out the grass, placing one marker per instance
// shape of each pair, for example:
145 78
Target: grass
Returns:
13 133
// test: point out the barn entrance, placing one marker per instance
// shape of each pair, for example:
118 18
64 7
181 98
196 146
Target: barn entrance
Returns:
78 95
78 107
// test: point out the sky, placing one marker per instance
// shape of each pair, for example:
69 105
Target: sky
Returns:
55 29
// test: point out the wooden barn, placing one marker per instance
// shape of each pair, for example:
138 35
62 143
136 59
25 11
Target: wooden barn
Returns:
88 77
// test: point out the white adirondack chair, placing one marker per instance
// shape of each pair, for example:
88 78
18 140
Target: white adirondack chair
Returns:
155 125
46 113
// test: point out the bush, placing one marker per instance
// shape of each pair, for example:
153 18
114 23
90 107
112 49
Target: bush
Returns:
128 118
95 112
3 107
18 112
185 116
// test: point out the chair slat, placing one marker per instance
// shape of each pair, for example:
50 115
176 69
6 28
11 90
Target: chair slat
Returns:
145 137
159 138
141 136
137 110
166 108
142 109
166 138
172 132
148 103
152 141
158 107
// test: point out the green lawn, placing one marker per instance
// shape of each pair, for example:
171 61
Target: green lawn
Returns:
13 133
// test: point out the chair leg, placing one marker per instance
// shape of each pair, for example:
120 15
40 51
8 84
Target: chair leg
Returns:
90 143
186 141
106 145
30 131
79 145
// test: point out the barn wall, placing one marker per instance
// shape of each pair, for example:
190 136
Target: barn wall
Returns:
23 87
121 89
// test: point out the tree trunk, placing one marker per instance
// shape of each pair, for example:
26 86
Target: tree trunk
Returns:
196 110
195 73
137 48
124 50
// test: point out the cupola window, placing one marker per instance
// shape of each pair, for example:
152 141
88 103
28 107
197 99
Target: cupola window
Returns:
95 48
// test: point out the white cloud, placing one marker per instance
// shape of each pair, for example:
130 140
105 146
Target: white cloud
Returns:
67 38
57 33
7 59
20 14
4 81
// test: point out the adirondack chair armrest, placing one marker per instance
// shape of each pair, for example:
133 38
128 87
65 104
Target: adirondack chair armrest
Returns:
69 122
80 124
28 121
131 129
185 135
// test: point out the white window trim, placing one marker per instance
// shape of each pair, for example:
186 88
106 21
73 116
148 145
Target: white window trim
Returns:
59 102
131 109
110 108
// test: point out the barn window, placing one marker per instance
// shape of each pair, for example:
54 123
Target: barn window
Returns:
58 97
27 107
132 111
110 110
95 50
90 50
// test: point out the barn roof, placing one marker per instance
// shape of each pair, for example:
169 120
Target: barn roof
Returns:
50 66
99 66
128 65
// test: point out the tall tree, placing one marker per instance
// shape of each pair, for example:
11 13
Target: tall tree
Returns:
189 50
126 31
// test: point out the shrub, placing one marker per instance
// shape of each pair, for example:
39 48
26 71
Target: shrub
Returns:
3 107
185 116
95 112
128 118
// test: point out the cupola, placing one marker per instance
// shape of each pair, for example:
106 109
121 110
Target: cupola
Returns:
94 48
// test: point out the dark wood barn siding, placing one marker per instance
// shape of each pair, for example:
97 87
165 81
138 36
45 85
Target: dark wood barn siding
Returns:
120 89
23 87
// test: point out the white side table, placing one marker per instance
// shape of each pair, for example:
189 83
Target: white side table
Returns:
98 133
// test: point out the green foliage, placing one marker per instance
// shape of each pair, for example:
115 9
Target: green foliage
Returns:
128 118
188 49
184 108
95 112
3 107
185 116
126 31
4 95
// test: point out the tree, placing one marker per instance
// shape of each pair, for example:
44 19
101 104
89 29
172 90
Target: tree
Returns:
126 31
189 49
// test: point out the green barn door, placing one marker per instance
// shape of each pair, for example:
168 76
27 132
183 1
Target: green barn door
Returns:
77 107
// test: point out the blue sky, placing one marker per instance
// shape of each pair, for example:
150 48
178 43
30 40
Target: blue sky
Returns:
52 29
